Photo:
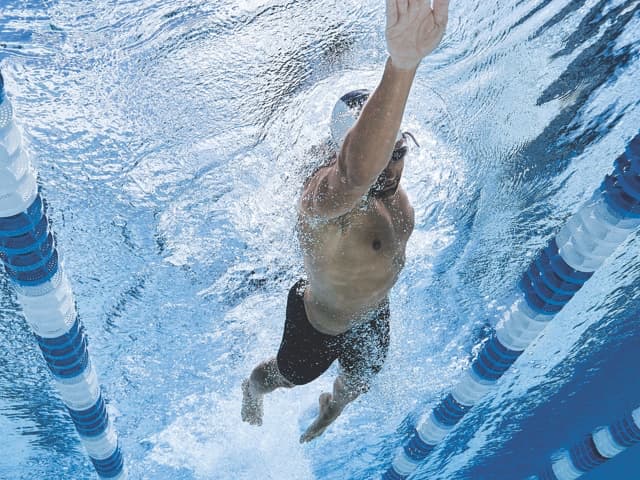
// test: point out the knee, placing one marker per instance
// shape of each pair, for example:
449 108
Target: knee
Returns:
267 373
260 374
278 376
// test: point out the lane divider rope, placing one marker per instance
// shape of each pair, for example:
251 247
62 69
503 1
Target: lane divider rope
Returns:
552 279
600 446
32 263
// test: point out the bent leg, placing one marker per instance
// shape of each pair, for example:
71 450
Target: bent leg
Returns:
265 378
362 356
303 356
345 390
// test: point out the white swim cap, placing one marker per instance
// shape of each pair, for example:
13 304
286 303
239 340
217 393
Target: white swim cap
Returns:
345 113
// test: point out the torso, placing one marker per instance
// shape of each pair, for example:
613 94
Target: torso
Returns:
353 261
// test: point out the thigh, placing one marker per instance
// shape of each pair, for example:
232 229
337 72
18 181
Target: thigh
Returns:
304 353
364 349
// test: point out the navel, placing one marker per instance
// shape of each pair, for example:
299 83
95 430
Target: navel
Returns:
377 244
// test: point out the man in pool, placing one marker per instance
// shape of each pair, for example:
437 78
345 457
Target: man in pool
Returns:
354 223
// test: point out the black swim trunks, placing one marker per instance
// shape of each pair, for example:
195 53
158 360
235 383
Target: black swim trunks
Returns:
306 353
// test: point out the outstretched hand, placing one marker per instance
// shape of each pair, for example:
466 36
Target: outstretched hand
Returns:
414 29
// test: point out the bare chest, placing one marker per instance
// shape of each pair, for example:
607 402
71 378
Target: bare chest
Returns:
374 235
367 244
352 262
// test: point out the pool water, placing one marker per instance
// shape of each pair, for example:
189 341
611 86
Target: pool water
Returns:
172 140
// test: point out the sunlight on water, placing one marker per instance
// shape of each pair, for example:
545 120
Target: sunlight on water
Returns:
172 140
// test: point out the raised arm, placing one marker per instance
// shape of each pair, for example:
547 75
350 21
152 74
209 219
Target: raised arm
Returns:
413 30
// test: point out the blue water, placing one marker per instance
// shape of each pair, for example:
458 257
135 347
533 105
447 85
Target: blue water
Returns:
172 139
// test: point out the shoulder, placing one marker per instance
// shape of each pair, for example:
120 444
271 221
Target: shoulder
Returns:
328 192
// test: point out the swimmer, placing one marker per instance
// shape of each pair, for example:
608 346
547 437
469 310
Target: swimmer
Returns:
354 223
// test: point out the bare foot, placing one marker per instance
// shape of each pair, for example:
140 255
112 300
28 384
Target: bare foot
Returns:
329 411
251 405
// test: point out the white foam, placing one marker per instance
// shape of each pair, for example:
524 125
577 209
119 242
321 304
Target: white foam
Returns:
210 438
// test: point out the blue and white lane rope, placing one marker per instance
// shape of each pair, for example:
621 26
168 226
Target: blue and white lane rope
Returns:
30 258
601 445
550 282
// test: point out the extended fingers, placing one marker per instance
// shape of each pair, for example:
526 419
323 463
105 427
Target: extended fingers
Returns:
392 12
416 4
441 12
396 9
440 9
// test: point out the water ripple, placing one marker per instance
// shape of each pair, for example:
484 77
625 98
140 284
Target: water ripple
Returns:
172 140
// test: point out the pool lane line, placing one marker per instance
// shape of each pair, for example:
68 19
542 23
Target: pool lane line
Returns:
600 446
558 272
31 260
